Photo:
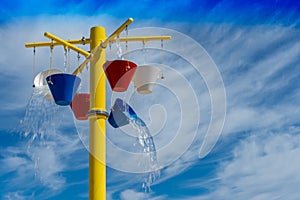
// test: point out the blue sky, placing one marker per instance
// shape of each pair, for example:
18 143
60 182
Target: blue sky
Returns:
253 44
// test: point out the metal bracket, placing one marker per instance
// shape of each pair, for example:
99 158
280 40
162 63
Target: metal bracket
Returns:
101 45
95 112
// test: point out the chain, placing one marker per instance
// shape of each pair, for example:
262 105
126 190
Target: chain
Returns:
119 47
163 59
78 58
65 58
69 62
126 29
34 65
144 51
110 52
51 57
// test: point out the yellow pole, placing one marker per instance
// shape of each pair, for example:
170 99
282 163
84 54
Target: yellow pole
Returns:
97 156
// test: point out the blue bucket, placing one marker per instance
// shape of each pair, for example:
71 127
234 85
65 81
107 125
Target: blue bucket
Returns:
120 114
63 87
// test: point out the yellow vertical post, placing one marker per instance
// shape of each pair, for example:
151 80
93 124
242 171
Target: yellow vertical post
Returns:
97 154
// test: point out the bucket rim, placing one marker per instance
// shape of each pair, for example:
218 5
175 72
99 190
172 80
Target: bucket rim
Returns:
150 66
63 74
111 62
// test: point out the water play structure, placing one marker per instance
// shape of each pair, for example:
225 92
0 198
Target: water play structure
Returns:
63 87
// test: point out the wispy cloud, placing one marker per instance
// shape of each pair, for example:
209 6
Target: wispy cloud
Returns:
131 194
263 167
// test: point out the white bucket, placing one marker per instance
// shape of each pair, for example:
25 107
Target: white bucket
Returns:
40 78
145 78
40 82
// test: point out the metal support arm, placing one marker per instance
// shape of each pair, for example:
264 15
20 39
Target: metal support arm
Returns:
66 44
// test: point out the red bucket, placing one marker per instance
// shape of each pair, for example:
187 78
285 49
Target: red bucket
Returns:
119 74
81 105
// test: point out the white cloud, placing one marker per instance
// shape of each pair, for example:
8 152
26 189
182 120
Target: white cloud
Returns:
133 195
17 195
9 164
264 166
130 194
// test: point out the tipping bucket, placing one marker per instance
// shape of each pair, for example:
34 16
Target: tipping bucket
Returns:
63 87
120 114
40 83
145 78
119 74
81 105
